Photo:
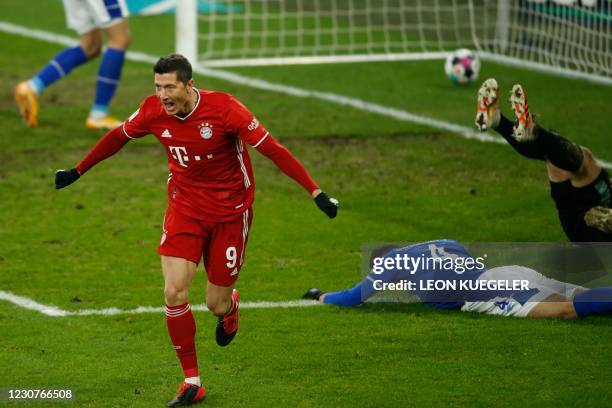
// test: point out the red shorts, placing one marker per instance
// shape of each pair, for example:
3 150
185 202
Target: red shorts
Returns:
222 244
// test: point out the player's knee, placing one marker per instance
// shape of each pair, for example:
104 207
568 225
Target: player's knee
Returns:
91 48
175 296
589 169
120 42
557 175
218 306
590 162
566 311
570 312
119 37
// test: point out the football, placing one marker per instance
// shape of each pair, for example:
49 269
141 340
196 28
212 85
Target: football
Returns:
462 66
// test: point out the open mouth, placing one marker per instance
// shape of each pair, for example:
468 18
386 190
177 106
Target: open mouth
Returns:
169 106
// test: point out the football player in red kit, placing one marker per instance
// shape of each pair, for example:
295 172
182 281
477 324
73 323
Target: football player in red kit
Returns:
210 196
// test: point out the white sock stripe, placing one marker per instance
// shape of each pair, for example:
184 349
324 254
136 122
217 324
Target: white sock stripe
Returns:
172 309
108 80
179 312
177 315
58 67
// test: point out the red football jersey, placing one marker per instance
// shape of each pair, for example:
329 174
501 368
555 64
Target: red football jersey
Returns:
211 177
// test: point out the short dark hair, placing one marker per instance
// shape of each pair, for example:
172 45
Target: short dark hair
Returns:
174 63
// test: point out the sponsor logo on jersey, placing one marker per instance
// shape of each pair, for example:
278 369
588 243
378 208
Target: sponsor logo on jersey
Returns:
166 133
179 153
254 124
206 131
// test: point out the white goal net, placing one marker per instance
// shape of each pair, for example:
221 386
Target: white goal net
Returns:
565 35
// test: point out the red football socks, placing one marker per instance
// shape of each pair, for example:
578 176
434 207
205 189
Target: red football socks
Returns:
182 330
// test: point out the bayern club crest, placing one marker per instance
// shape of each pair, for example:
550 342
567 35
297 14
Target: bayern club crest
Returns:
206 131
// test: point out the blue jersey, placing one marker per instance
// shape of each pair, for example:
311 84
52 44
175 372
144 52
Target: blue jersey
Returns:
420 267
441 273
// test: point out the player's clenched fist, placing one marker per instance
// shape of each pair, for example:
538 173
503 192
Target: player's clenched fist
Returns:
327 204
64 178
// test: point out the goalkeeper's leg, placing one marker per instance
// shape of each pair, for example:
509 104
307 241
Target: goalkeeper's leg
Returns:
489 116
578 183
565 159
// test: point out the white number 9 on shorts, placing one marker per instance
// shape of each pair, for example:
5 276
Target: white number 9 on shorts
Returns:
231 255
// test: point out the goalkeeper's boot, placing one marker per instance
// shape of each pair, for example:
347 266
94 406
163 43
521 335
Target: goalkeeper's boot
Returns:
227 326
188 394
27 100
313 294
523 128
104 122
487 115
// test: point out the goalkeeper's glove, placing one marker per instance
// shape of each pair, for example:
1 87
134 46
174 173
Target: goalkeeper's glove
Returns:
327 204
64 178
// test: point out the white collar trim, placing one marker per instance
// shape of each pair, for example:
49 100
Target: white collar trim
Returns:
194 108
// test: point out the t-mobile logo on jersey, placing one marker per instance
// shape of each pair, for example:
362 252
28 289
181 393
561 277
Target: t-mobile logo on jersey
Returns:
179 153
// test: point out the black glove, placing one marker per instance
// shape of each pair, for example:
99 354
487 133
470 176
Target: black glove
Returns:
326 204
64 178
313 294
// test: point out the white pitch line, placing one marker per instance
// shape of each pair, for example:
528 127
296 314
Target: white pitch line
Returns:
47 310
397 114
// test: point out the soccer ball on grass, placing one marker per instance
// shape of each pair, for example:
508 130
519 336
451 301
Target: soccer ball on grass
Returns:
462 66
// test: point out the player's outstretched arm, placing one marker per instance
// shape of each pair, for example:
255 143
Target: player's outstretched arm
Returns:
110 144
347 297
291 166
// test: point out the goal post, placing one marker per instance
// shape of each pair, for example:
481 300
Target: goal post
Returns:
565 37
572 37
186 30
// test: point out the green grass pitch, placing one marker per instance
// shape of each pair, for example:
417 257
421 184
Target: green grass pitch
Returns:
93 244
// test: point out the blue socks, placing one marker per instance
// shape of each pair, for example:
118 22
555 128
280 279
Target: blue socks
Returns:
58 67
64 62
593 301
108 79
348 297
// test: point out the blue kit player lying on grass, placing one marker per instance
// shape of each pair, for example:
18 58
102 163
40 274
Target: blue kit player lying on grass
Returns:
443 274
